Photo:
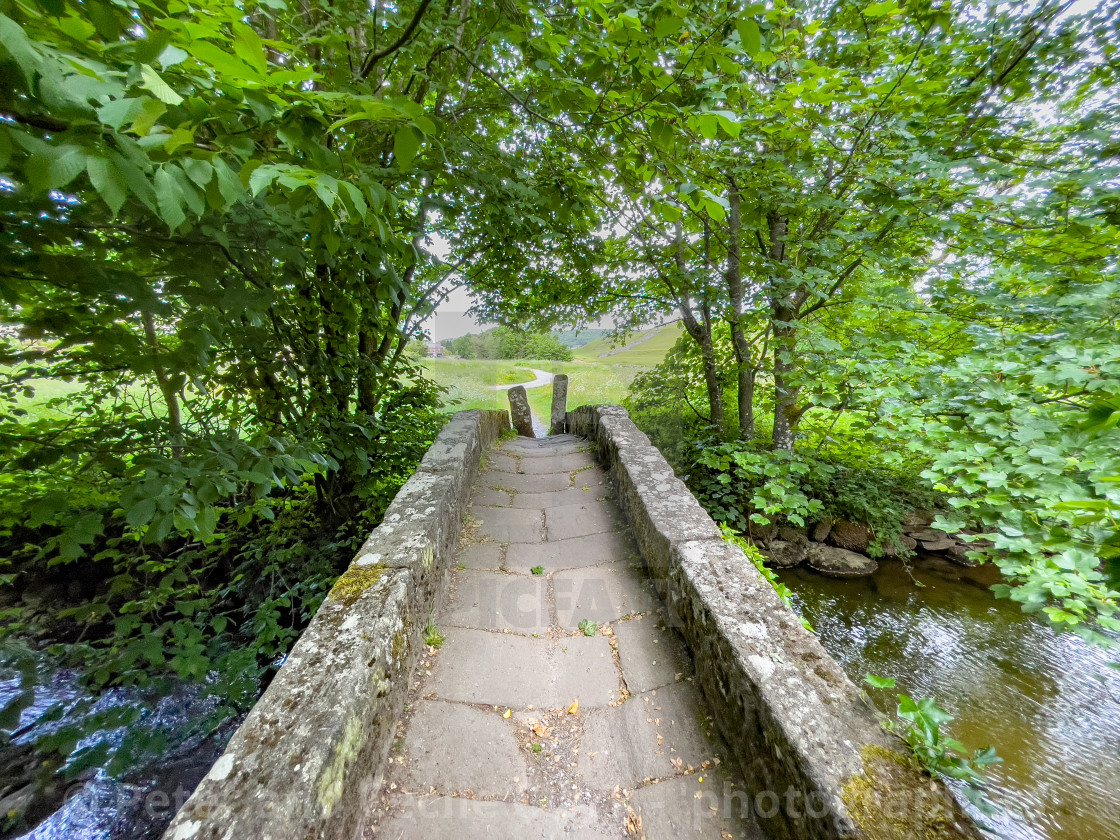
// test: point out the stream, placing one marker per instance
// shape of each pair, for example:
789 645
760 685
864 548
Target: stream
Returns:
139 805
1048 702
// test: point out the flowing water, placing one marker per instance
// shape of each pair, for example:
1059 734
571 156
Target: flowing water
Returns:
138 806
1048 702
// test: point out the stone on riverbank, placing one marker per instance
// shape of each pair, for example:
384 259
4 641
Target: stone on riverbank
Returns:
785 554
853 536
839 562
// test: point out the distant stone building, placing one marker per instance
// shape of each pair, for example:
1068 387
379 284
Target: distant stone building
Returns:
435 350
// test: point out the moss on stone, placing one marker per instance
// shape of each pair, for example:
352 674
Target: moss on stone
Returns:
892 799
354 581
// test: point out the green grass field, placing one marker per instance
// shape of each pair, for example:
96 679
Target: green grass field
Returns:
469 382
45 390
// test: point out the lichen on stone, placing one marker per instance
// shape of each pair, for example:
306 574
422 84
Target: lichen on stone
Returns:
400 645
332 782
354 581
893 800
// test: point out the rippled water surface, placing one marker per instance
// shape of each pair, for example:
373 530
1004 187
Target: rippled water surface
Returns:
1048 702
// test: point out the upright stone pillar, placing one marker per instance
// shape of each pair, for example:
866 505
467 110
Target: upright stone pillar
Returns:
519 411
559 404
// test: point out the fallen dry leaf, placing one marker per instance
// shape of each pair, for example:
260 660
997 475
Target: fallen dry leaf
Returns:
507 713
574 708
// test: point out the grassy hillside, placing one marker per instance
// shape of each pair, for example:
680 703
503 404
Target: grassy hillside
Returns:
644 349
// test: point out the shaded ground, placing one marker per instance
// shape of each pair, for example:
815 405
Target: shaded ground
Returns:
558 705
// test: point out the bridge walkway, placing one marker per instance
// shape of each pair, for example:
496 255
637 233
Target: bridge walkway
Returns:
553 701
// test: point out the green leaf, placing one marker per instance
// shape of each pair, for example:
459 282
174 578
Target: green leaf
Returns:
199 171
120 111
150 111
141 513
70 163
877 10
406 143
226 63
169 199
249 46
728 122
157 86
14 42
106 179
878 682
749 36
171 56
708 126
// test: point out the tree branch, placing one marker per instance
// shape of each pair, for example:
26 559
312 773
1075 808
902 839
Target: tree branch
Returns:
373 57
505 89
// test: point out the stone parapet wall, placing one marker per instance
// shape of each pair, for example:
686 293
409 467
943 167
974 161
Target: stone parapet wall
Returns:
310 754
813 755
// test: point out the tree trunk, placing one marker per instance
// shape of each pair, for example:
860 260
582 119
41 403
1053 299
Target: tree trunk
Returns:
367 374
744 359
170 397
334 338
785 395
701 333
783 317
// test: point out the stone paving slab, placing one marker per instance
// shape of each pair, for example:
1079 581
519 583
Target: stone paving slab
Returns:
518 483
593 481
502 462
496 601
558 498
591 550
478 666
601 594
644 737
489 497
580 520
488 763
685 807
506 525
651 654
558 462
450 818
555 445
480 556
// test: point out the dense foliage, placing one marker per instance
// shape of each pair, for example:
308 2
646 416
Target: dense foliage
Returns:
506 343
217 239
890 229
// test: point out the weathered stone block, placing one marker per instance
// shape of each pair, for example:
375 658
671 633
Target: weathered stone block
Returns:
519 411
559 404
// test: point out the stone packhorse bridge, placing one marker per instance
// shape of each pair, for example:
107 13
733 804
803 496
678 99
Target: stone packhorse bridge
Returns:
549 638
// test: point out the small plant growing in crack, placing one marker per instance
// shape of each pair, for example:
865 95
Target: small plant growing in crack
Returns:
588 627
536 749
432 636
537 570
